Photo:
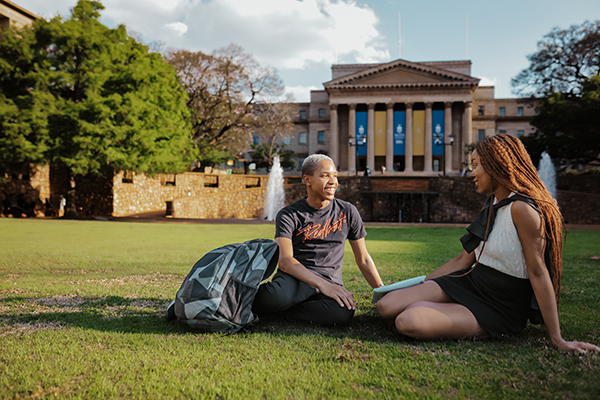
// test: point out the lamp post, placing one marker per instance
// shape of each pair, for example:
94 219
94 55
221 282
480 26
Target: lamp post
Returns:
439 142
353 143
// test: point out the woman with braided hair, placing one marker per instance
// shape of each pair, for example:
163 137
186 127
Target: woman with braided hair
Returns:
512 257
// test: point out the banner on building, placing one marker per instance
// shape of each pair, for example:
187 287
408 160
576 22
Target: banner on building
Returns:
399 134
437 141
419 133
361 133
380 132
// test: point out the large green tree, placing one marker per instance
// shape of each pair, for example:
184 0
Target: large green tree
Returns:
568 127
89 99
562 82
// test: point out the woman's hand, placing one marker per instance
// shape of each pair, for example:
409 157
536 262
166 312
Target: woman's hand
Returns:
580 347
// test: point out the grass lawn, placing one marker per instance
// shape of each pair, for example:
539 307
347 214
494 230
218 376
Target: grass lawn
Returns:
82 304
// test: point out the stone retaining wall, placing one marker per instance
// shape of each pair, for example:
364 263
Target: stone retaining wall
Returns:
139 193
246 203
579 208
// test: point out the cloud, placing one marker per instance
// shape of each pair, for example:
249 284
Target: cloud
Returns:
285 34
488 82
301 94
290 35
178 27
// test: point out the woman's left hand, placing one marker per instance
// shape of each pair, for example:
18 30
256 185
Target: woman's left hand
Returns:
581 347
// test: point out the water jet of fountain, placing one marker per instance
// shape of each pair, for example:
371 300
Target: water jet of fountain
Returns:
275 193
547 173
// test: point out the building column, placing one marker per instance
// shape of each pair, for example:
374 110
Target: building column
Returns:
428 138
334 139
447 133
389 136
467 134
371 137
408 140
352 134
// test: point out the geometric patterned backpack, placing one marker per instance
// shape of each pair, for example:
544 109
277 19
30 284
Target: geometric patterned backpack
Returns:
217 294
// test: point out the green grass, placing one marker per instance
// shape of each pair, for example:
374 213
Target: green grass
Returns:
81 316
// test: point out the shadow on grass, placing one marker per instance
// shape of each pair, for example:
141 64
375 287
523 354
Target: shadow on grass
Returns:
21 314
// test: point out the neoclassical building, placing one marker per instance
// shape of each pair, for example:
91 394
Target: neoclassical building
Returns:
411 118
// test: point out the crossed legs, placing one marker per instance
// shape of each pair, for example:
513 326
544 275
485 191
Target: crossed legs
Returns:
425 311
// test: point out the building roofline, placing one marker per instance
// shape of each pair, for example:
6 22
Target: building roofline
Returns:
19 9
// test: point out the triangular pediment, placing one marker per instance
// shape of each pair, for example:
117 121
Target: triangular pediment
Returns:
401 73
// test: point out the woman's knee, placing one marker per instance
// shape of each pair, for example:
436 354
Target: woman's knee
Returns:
411 322
406 324
386 308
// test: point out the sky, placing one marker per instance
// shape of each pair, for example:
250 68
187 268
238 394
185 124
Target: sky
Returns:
301 39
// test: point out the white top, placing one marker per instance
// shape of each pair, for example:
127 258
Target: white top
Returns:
503 250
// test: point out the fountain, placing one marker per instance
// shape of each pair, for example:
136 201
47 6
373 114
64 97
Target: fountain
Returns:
547 173
275 193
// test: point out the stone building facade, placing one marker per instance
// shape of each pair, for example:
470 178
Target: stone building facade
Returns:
412 118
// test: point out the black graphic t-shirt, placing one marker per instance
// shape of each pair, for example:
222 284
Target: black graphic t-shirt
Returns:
319 235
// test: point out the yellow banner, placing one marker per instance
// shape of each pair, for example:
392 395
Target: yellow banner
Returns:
419 133
380 132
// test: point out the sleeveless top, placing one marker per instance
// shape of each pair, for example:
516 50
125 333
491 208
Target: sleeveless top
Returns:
503 250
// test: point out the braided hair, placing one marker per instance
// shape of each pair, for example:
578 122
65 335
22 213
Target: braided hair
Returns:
505 159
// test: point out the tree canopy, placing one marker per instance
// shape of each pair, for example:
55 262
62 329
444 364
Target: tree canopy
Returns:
564 60
223 88
563 80
568 127
78 95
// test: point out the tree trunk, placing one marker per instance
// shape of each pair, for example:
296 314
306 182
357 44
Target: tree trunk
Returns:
71 207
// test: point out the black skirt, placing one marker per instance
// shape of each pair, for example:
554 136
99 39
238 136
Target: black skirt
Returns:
499 302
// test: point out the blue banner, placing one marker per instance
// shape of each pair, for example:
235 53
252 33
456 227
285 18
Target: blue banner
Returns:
361 133
399 132
437 130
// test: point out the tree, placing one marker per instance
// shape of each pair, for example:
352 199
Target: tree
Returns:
222 89
568 127
564 60
562 81
274 122
89 99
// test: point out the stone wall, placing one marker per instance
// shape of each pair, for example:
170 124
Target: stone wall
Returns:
584 183
458 200
246 203
579 208
139 193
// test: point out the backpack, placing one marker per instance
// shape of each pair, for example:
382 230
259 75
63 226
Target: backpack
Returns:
217 294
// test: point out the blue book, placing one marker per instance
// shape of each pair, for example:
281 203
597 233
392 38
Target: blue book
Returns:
379 292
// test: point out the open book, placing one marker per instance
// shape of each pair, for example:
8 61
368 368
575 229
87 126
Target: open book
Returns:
383 290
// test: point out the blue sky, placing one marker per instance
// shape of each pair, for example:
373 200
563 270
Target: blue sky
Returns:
301 39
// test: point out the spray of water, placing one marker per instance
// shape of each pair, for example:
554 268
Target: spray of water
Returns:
547 173
275 193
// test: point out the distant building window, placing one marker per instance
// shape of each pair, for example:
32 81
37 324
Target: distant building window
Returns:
302 114
321 113
520 133
502 131
255 139
436 165
302 138
300 162
286 141
481 110
519 111
321 137
503 111
480 135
